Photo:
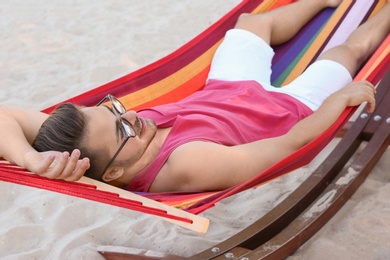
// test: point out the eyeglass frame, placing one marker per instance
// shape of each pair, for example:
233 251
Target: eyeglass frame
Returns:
122 122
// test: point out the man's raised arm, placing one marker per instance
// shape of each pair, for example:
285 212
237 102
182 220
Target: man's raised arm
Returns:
18 129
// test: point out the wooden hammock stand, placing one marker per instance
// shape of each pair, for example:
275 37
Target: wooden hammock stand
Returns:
289 225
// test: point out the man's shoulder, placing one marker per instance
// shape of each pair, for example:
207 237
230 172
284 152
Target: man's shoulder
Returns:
186 166
185 155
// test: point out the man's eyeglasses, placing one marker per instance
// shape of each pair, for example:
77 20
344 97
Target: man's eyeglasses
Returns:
128 129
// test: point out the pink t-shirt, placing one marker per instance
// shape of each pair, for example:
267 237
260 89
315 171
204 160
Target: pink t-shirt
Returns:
224 112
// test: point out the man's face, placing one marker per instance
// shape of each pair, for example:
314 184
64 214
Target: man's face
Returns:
105 132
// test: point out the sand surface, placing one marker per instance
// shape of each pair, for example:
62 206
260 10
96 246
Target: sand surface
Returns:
53 50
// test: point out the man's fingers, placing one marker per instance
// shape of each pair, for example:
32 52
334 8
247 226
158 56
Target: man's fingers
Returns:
41 168
58 166
371 104
81 167
371 91
65 166
70 165
370 107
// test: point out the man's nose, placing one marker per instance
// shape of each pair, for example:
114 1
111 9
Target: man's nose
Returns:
130 116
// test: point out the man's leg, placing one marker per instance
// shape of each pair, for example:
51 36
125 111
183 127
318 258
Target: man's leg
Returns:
362 42
281 24
335 68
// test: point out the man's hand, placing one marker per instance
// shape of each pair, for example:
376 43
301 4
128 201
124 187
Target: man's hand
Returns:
357 93
56 165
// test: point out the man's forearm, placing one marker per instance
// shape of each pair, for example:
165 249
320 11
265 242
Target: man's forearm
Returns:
18 128
314 125
13 142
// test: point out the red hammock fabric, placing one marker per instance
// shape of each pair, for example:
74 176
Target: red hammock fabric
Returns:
186 70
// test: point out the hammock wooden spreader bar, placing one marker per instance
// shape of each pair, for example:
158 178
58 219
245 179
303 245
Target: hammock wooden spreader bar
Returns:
94 190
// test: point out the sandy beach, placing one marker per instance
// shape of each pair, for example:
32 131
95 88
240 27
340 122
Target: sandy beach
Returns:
53 50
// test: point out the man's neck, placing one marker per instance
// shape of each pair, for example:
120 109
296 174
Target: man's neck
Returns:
150 154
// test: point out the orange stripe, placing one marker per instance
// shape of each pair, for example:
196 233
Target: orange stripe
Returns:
171 82
264 6
378 7
179 92
375 60
281 3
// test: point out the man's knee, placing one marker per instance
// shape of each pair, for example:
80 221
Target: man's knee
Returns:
259 24
243 20
358 50
350 54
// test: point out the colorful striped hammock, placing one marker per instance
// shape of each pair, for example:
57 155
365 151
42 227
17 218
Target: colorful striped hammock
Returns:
184 72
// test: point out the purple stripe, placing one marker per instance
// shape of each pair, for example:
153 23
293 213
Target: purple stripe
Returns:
286 53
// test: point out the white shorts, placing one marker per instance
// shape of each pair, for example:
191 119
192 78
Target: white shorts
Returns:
244 56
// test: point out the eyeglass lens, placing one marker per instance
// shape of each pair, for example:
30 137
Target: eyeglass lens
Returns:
118 106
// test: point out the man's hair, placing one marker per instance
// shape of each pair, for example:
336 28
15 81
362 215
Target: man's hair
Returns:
65 130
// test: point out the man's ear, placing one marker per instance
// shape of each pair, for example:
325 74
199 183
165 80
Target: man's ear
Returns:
113 173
